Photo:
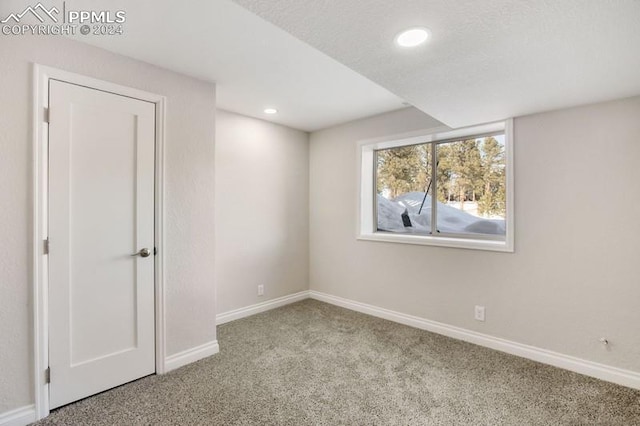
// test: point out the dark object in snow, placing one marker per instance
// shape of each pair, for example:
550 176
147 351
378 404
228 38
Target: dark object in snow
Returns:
406 220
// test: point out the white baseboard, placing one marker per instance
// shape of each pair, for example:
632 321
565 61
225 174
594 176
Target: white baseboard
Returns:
600 371
191 355
19 417
261 307
588 368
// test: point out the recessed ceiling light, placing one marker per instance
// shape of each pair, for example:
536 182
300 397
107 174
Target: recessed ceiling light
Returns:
412 37
270 111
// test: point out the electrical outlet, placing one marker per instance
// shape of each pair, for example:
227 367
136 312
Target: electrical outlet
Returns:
479 313
261 290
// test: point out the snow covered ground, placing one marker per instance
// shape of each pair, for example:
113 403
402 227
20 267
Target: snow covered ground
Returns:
450 219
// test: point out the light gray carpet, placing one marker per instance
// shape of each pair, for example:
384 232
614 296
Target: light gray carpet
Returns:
315 364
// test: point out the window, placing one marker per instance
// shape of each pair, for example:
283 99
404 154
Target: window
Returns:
451 188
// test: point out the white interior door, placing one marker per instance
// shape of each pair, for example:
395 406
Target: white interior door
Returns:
101 212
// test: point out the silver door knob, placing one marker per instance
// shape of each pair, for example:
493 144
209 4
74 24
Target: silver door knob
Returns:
145 252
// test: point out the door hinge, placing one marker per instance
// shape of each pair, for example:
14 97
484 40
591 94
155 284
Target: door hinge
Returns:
47 375
45 246
47 116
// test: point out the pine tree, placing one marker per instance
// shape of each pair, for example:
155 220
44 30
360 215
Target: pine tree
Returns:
459 171
423 177
473 168
401 170
493 201
445 173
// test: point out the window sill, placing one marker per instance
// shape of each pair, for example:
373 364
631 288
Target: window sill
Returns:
489 245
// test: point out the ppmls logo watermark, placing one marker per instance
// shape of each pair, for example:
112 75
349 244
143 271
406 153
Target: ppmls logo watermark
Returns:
42 20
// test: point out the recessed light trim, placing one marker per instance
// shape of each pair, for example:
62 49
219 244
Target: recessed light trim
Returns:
270 111
413 37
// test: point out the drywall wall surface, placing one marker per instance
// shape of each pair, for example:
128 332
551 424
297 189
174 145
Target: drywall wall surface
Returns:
574 275
189 187
262 214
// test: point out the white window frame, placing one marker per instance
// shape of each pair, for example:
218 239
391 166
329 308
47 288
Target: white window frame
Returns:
367 223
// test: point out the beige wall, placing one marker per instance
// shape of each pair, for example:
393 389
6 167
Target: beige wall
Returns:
189 197
574 275
262 210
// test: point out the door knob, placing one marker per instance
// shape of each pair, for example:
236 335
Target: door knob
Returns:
145 252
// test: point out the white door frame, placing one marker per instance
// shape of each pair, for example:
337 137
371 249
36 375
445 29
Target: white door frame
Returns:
41 77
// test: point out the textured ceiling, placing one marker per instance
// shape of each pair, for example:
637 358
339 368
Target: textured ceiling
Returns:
255 63
487 59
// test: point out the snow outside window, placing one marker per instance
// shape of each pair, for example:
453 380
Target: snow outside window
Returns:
451 188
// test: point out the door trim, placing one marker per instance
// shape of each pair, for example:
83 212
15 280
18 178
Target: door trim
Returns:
41 76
